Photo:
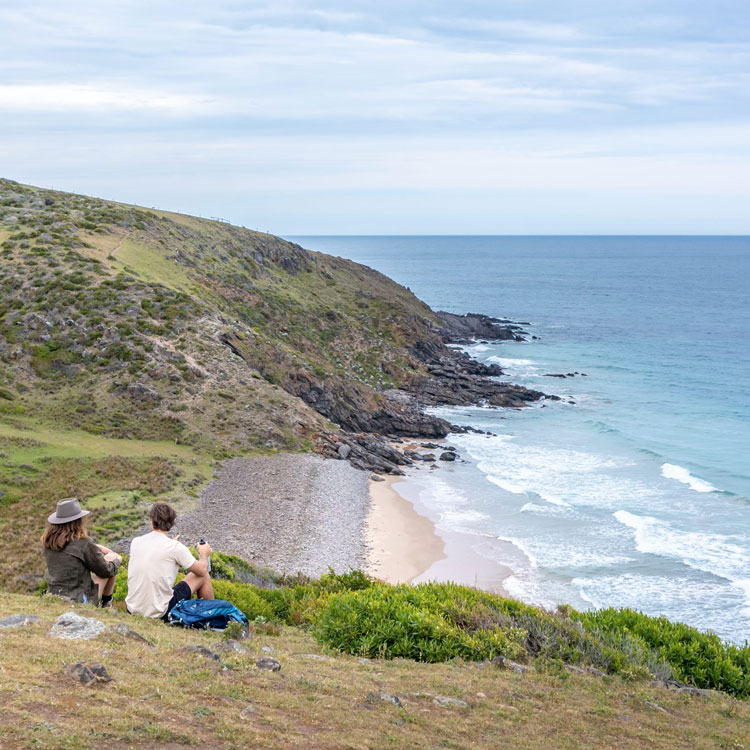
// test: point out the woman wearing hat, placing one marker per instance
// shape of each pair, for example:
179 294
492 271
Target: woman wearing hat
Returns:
72 558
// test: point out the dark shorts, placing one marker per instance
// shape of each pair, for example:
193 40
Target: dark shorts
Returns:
179 593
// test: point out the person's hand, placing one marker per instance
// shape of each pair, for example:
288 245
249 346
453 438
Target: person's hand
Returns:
104 550
204 550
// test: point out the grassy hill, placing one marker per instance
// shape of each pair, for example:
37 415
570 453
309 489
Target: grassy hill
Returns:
138 347
163 696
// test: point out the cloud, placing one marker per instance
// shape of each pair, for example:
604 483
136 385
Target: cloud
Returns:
324 97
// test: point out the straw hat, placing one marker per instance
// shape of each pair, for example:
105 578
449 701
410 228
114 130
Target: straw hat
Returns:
68 509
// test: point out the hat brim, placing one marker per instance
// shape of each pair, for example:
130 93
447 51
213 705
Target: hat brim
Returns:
54 518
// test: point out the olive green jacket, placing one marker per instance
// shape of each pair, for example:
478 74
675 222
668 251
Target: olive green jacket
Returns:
69 570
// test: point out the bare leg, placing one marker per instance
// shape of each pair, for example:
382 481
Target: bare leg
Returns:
106 585
200 585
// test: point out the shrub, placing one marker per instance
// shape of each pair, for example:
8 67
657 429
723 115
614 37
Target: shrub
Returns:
410 622
695 657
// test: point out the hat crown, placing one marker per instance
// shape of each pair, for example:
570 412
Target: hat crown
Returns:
68 507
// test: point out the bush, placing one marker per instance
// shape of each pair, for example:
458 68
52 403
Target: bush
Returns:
695 657
410 622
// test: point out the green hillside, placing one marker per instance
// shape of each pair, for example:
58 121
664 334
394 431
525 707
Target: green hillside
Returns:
138 347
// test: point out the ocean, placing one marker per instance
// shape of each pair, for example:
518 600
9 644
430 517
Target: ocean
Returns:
633 490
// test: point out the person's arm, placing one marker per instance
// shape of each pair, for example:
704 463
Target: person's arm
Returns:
184 558
94 561
200 566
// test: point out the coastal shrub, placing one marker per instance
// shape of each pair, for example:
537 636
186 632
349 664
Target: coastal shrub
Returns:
244 597
409 622
701 659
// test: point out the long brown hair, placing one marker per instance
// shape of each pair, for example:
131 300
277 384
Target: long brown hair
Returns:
57 536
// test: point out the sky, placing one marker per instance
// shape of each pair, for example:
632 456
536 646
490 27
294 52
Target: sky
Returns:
388 117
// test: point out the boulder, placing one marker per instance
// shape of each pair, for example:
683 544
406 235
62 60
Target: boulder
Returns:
71 626
447 456
88 673
268 664
17 621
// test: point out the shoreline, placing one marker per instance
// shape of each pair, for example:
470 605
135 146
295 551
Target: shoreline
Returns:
405 545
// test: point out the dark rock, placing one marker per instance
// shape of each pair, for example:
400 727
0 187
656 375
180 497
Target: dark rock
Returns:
202 651
429 457
447 456
268 664
430 446
459 328
87 673
554 375
377 478
141 392
17 621
380 696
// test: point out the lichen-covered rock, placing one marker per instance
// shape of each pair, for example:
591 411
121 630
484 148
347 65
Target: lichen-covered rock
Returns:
71 626
17 621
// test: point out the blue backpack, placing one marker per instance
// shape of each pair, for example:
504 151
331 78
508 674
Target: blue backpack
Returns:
209 614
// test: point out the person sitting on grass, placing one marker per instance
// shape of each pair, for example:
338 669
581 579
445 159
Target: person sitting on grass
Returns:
154 561
77 567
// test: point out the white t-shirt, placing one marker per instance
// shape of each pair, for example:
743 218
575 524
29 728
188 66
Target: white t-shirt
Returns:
154 561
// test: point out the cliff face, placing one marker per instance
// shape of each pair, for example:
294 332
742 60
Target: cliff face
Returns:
136 323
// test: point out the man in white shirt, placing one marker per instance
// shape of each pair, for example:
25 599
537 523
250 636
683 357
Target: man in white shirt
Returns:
154 562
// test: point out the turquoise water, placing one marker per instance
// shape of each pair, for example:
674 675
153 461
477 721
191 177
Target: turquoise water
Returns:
634 490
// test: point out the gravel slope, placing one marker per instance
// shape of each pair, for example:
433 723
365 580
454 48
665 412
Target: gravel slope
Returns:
289 512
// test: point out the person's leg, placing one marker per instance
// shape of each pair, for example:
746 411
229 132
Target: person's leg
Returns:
200 585
106 585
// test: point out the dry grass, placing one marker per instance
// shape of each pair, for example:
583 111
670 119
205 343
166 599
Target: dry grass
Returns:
166 698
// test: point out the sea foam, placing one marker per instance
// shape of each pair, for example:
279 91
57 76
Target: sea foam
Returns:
710 553
673 471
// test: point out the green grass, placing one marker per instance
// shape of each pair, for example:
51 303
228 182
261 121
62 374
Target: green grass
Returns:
164 697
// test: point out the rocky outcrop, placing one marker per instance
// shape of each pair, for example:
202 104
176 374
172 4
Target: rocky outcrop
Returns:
461 329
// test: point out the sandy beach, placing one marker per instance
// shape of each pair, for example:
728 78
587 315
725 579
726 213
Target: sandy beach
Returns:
302 513
405 546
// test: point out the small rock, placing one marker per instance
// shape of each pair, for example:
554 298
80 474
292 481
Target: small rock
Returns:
247 712
268 664
88 672
74 627
594 671
377 478
446 702
428 457
573 668
232 645
505 663
267 650
202 650
344 450
121 629
447 456
481 695
380 696
17 621
314 657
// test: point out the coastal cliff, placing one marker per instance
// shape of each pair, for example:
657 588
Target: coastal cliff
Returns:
139 347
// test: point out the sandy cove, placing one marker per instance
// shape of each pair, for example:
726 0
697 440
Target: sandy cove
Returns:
302 513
